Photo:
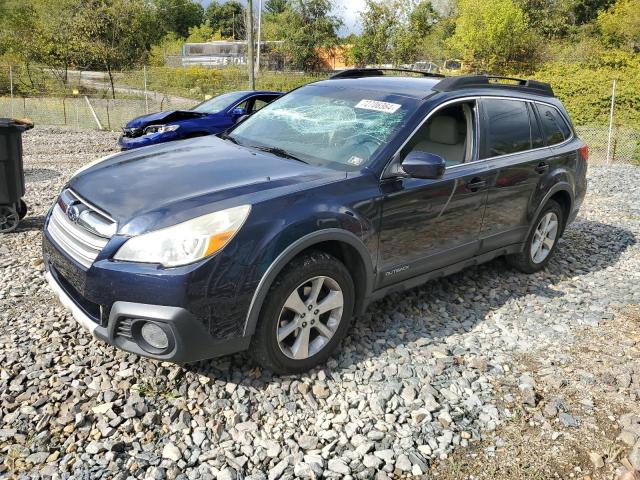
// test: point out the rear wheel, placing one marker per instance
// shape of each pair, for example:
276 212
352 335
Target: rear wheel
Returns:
542 240
9 219
306 314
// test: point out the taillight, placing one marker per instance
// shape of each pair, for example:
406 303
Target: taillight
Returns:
584 152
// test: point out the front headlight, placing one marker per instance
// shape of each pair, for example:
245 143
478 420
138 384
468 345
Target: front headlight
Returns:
186 242
160 129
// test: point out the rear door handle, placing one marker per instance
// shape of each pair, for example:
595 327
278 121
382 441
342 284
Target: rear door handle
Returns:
476 184
542 167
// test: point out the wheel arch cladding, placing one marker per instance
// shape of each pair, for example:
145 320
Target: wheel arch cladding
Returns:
560 193
563 198
343 245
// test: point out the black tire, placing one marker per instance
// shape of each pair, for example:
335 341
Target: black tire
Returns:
9 219
22 211
524 260
265 347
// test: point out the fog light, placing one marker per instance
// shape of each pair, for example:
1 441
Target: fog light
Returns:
154 335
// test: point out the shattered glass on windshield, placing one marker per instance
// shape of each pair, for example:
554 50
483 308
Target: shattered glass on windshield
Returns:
328 118
338 128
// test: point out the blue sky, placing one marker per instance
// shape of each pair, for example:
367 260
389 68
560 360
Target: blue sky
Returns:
347 10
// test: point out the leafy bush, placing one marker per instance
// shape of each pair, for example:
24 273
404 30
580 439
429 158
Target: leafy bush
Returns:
586 90
196 82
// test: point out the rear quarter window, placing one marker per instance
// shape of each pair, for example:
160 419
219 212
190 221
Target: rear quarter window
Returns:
554 125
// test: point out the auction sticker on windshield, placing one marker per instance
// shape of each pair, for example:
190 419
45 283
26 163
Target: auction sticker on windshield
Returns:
378 106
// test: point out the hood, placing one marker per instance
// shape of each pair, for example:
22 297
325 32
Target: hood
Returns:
162 185
163 118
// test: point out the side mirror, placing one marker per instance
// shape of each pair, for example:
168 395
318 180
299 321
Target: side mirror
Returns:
426 165
238 112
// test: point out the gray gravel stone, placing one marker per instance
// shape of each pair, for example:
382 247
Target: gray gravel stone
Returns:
171 452
420 375
339 466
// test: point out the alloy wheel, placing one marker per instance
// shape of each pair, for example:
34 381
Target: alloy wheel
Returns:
544 237
310 317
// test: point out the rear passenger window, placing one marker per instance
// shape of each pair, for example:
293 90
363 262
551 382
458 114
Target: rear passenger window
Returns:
555 127
508 128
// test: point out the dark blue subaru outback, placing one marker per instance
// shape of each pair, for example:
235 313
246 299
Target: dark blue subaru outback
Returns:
275 235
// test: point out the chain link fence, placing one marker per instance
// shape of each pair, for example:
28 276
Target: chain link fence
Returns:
84 100
88 112
623 146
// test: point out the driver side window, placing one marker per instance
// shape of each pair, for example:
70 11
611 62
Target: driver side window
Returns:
244 105
449 133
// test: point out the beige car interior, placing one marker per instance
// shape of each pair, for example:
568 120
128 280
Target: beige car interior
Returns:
449 134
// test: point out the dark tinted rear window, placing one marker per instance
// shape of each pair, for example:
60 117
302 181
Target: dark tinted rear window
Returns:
508 128
555 127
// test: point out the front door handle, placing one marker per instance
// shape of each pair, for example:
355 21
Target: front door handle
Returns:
476 184
542 167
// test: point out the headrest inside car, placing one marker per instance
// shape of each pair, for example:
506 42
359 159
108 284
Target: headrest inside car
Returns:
444 129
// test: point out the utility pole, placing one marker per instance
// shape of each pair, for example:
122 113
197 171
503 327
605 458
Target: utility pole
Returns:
146 98
259 36
613 102
250 60
11 87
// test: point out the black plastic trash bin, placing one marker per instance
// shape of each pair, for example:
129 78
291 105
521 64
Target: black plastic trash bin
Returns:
12 207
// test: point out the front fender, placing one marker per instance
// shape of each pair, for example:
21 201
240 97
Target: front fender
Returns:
287 254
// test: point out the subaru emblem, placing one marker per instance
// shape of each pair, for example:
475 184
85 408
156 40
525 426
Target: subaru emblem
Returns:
73 213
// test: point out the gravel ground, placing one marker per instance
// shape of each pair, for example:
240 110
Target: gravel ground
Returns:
440 369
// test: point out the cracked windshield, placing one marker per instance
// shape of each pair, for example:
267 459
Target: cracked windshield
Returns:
325 126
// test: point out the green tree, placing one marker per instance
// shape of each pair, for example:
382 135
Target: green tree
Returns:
169 45
586 11
227 18
117 33
179 15
550 18
275 6
57 35
414 31
379 23
491 33
620 25
18 24
397 31
201 33
305 27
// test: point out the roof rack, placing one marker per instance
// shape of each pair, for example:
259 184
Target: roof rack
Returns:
379 72
483 81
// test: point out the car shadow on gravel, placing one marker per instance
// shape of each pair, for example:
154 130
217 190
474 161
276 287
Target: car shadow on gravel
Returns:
449 306
32 175
28 224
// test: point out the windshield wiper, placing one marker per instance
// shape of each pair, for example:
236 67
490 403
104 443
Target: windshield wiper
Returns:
278 151
226 136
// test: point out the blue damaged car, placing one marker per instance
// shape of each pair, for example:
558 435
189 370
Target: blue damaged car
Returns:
210 117
275 235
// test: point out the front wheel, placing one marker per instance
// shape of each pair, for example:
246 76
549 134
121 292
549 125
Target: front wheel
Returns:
306 314
542 240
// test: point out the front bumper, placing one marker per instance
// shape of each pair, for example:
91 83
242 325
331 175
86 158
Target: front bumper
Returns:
111 300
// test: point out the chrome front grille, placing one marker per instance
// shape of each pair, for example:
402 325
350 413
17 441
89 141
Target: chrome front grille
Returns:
79 229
